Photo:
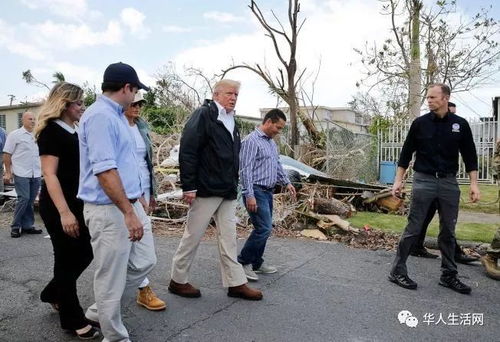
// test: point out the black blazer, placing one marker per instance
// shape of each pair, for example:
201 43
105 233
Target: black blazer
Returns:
209 155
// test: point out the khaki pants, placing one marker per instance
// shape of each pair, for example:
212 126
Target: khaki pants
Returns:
120 264
201 211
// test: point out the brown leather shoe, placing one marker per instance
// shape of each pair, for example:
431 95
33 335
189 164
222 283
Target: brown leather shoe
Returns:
184 290
245 292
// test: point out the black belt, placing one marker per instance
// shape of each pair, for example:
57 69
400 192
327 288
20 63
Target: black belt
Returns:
132 200
443 174
265 188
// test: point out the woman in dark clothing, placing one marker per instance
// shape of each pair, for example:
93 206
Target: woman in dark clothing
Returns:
61 211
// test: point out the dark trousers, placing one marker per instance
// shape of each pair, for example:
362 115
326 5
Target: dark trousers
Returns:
71 258
419 245
426 190
262 222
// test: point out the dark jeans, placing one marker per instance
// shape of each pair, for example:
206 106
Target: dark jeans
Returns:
262 221
26 190
427 189
71 258
419 245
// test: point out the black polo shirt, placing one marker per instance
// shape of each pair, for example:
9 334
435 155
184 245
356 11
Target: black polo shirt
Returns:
437 143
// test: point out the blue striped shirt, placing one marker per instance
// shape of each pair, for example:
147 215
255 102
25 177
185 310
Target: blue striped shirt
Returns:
259 163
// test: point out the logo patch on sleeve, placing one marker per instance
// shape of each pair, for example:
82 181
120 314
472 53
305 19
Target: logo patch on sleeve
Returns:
455 128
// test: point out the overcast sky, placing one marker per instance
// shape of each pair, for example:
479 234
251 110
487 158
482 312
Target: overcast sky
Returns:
81 37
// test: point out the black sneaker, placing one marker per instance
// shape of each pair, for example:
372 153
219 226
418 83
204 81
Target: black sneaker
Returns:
89 335
465 259
403 281
32 231
455 284
15 233
423 253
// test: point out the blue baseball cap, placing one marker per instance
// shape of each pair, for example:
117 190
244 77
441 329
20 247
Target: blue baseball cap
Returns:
122 73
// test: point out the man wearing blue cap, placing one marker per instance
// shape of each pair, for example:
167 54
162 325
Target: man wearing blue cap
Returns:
110 186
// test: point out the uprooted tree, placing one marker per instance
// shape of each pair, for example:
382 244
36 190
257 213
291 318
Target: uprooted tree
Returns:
286 81
461 52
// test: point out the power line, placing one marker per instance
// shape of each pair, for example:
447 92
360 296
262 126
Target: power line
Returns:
467 106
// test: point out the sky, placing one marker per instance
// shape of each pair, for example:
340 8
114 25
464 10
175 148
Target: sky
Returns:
81 37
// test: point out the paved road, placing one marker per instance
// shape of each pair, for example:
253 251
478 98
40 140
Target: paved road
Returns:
323 292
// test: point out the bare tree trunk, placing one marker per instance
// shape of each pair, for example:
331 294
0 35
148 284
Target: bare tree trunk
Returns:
286 82
415 83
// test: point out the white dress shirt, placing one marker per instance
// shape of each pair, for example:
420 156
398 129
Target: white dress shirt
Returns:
226 118
21 145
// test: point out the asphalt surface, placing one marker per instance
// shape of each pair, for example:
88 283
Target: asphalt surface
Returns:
322 292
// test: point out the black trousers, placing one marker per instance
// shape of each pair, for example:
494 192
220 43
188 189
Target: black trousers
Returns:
71 258
419 245
426 190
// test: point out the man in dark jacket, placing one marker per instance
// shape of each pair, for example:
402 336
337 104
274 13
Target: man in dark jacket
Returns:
418 248
437 138
209 166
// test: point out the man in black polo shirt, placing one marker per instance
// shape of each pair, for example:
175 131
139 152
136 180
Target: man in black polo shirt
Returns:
418 248
436 138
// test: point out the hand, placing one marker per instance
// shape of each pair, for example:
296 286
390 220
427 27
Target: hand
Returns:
7 178
397 189
251 204
474 193
152 205
293 192
189 197
70 224
134 226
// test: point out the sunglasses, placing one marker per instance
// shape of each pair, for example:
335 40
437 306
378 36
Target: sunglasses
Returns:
137 104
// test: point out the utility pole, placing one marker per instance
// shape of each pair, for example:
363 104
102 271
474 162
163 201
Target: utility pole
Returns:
12 97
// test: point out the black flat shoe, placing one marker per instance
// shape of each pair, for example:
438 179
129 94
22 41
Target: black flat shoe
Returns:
32 231
465 259
455 284
403 281
15 233
423 253
89 335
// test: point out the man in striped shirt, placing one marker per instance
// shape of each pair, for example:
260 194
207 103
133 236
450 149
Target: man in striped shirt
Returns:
260 171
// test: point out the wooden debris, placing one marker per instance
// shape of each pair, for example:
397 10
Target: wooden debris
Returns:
313 233
331 206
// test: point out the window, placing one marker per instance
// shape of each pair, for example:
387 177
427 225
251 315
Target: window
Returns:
19 120
2 121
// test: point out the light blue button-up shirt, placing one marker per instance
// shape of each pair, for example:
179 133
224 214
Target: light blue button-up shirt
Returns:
106 143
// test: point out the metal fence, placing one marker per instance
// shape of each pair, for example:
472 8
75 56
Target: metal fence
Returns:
351 156
485 134
348 155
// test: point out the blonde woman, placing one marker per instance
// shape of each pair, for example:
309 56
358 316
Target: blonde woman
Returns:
61 211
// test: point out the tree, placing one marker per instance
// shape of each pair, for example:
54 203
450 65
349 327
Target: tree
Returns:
462 54
58 77
186 90
285 82
31 79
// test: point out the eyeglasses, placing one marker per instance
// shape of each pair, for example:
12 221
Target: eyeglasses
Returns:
137 104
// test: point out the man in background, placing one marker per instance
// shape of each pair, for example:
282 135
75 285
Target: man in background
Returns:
22 165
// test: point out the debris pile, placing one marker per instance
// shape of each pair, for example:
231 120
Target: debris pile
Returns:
320 210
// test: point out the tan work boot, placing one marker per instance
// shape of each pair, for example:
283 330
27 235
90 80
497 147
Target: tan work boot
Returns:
147 298
490 265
